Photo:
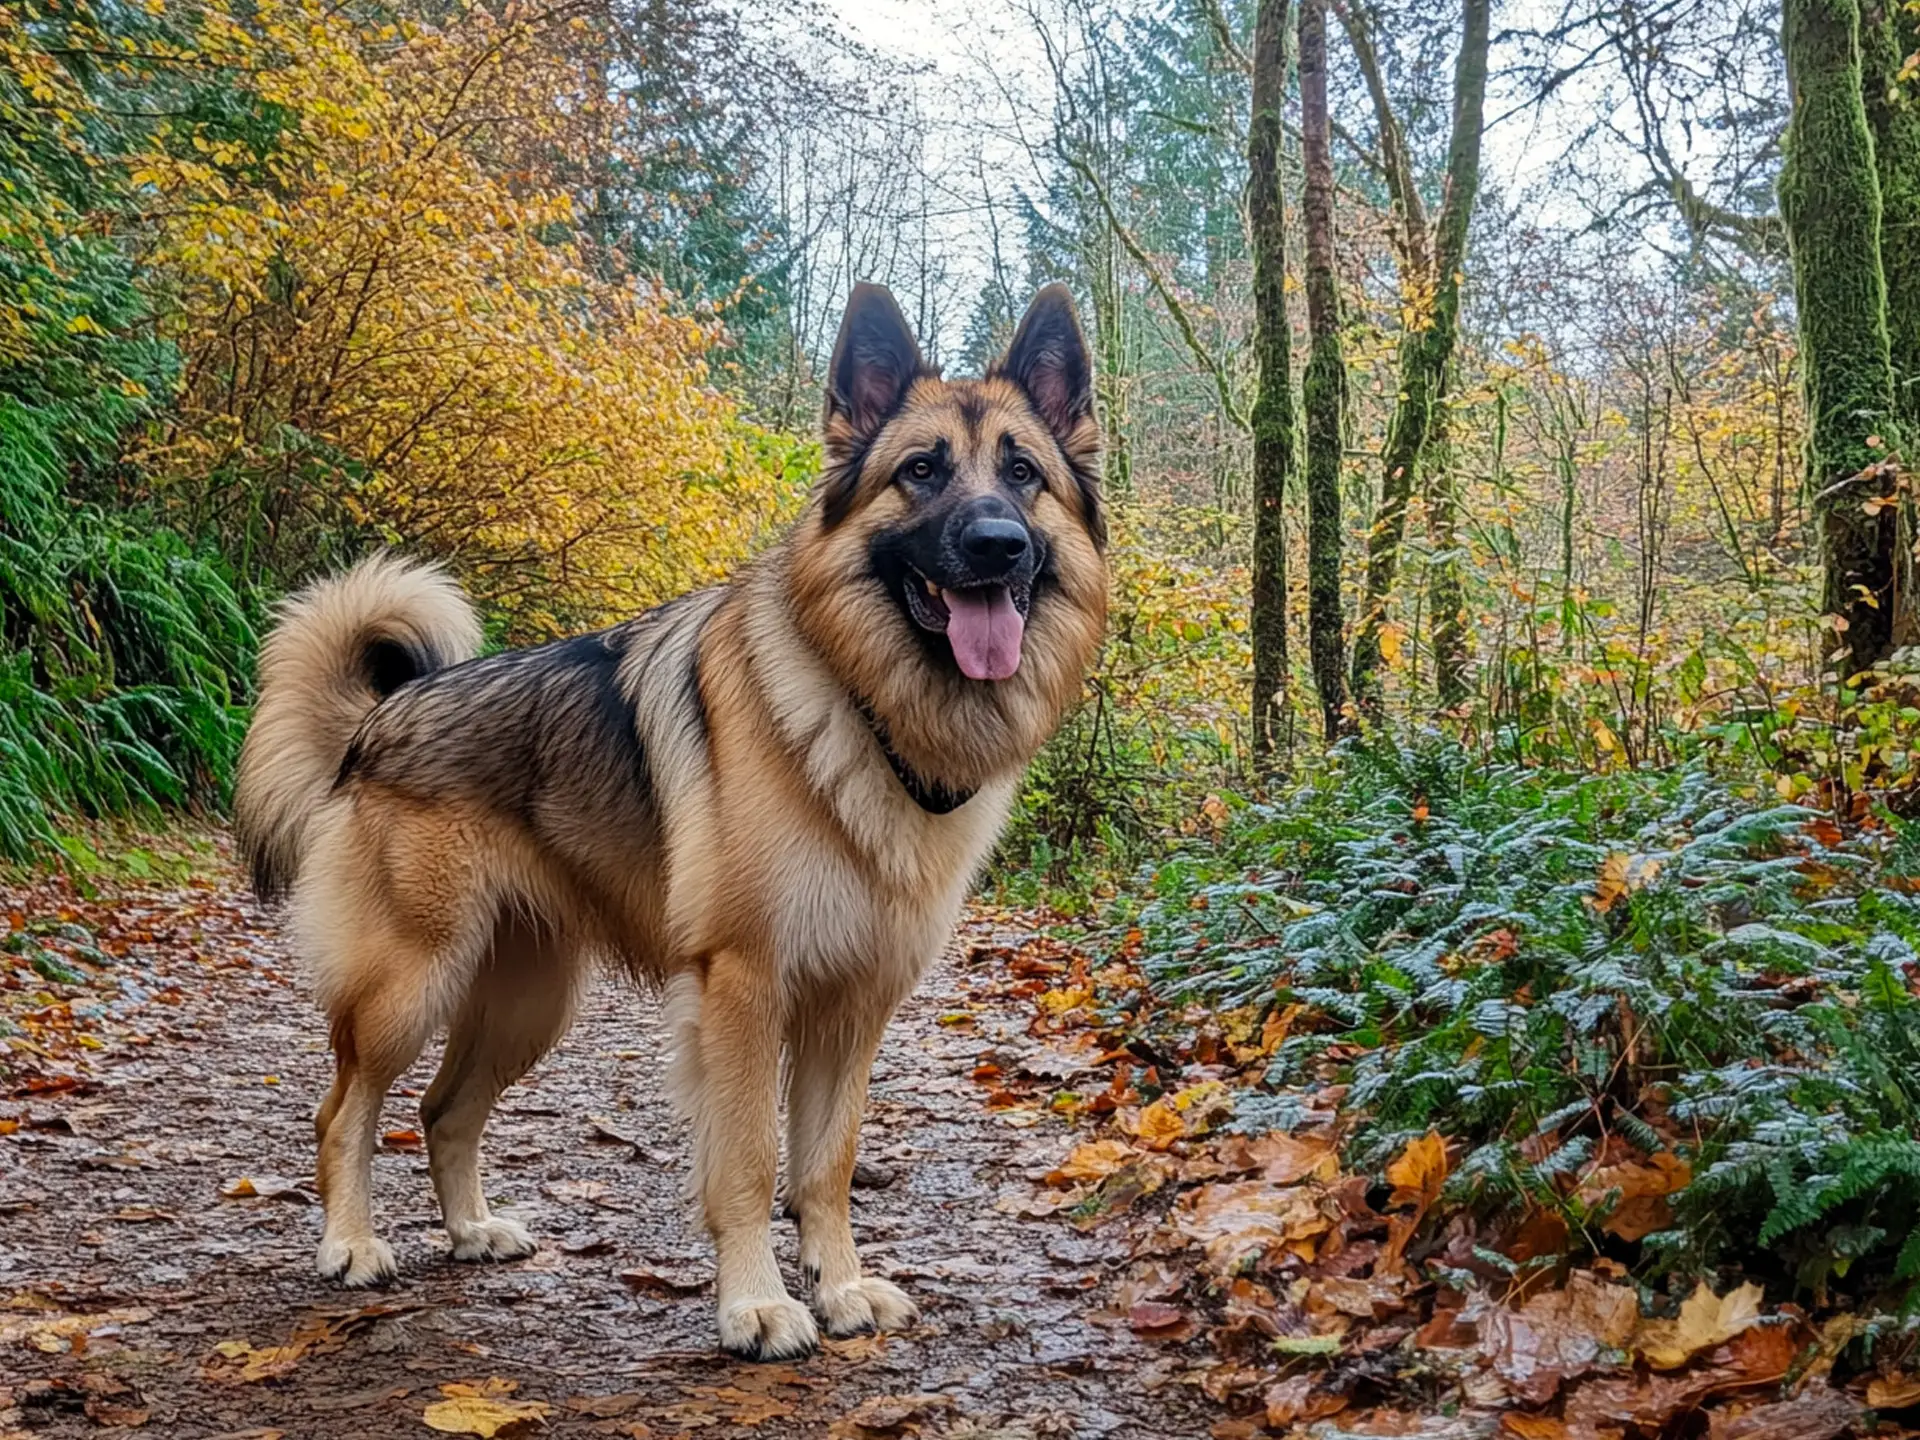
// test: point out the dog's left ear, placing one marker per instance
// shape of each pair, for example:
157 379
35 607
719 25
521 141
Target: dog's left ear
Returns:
1048 359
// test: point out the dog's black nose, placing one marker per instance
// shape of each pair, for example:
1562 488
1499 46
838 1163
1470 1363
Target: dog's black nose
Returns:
993 546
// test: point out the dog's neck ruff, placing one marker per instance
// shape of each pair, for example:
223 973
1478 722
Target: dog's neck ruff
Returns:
930 795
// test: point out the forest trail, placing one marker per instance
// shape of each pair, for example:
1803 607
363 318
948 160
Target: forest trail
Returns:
141 1286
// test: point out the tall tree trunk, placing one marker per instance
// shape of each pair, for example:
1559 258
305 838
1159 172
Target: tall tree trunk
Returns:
1830 200
1324 386
1889 33
1426 350
1273 405
1446 591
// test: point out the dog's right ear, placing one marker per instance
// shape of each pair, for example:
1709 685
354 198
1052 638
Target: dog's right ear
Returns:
875 361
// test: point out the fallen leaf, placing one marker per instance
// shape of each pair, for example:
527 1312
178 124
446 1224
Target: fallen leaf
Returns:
1298 1401
1558 1335
1158 1126
1643 1189
682 1282
1093 1161
1533 1427
887 1414
1820 1413
1244 1219
483 1410
1705 1320
1893 1392
265 1187
1419 1173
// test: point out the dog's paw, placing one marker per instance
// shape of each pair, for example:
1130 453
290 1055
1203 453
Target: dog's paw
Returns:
357 1262
499 1237
866 1304
779 1329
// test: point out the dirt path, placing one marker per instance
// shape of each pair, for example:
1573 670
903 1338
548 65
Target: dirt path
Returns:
147 1293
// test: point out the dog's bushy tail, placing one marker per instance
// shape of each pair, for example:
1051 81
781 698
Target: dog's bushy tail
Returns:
337 649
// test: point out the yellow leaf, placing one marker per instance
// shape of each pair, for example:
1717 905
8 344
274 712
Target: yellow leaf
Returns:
482 1410
1705 1320
1159 1125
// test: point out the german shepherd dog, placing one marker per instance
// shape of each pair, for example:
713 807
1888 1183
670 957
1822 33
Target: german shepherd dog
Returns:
768 799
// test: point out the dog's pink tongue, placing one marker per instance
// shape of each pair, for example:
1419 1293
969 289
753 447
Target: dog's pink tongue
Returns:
984 630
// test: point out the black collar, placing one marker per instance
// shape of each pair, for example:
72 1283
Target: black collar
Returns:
930 795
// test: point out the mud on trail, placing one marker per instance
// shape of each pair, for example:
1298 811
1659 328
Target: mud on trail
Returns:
158 1222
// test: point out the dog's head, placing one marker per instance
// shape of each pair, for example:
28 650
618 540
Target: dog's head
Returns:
950 567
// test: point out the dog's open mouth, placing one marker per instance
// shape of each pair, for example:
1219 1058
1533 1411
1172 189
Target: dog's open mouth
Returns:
983 623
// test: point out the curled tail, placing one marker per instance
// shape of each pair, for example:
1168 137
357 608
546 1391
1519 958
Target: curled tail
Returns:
337 649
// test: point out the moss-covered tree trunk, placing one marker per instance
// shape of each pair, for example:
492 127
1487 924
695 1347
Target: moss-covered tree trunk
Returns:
1830 200
1446 590
1324 386
1273 403
1426 350
1889 34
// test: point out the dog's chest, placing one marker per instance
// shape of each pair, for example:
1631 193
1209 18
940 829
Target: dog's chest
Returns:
838 913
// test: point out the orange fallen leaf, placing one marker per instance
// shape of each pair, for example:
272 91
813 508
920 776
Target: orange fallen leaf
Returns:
1093 1161
1419 1173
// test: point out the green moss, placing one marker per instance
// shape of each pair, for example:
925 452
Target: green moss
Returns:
1830 199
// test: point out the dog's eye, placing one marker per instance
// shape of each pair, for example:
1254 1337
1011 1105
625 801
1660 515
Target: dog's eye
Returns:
1021 472
921 470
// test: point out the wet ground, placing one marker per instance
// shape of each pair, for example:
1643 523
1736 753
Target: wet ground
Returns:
157 1228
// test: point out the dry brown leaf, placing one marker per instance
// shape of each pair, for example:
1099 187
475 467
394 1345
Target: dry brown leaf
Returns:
1298 1402
61 1334
888 1414
1533 1427
1093 1161
1643 1188
1558 1335
1705 1320
662 1282
1237 1221
1893 1392
1820 1413
484 1410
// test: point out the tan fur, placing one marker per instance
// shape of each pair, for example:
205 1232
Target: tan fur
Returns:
781 886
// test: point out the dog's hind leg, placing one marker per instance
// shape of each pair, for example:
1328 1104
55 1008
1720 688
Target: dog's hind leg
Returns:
831 1044
376 1035
518 1007
728 1031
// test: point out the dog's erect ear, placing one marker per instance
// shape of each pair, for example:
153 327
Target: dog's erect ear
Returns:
874 361
1048 359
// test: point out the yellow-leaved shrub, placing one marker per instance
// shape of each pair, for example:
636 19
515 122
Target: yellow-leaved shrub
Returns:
392 317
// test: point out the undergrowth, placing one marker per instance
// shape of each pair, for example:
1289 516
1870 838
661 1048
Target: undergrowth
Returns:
120 643
1558 971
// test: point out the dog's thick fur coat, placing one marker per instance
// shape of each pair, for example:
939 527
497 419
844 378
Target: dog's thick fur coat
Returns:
768 798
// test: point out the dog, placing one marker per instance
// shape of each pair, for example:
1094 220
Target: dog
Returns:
768 799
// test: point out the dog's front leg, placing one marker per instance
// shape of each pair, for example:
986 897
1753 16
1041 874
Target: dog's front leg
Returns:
830 1048
732 1095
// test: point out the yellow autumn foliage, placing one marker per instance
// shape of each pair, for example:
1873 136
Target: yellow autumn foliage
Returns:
394 313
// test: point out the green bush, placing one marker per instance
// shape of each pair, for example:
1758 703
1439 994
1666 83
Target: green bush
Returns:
1532 962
